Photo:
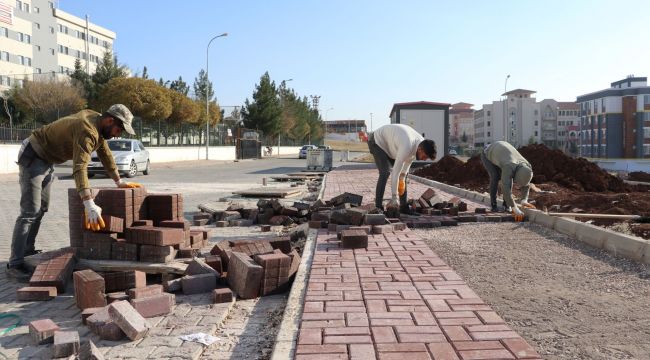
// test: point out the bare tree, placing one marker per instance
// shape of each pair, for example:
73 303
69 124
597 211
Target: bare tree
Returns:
48 100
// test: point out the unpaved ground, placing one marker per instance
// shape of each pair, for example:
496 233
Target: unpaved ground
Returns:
569 300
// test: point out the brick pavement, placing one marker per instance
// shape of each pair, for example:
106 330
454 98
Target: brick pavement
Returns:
394 299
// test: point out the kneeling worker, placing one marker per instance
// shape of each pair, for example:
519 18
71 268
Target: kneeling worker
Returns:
74 138
503 162
397 145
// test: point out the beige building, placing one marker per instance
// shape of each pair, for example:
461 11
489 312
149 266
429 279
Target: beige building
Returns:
38 40
461 125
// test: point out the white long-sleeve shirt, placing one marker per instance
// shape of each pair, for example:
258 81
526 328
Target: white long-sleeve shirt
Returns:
400 142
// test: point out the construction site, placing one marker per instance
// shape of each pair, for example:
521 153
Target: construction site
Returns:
300 264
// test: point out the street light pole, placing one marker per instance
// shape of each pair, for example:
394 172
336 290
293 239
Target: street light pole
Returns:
370 122
207 94
505 108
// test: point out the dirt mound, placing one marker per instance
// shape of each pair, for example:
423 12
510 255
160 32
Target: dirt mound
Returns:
450 170
639 176
572 173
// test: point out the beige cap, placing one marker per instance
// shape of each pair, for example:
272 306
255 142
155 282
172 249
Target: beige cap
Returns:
123 114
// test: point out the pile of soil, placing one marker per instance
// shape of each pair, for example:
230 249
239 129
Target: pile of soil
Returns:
451 170
639 176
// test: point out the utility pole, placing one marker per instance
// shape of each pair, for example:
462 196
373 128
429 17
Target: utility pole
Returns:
370 123
505 109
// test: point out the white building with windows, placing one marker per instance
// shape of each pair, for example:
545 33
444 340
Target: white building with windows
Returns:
38 40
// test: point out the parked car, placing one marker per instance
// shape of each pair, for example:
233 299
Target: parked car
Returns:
453 152
324 147
302 154
130 157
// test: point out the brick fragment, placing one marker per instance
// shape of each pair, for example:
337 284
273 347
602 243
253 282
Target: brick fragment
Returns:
223 250
173 285
214 261
128 319
36 293
124 280
354 239
198 266
265 228
374 219
88 312
221 295
295 262
196 284
156 305
113 224
42 331
147 291
350 198
101 324
66 343
244 276
157 254
480 210
116 296
88 351
88 289
283 243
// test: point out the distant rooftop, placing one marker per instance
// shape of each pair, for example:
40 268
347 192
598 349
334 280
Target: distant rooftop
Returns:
519 92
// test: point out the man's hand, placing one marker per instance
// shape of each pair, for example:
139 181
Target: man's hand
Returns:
401 187
527 205
518 214
127 185
93 216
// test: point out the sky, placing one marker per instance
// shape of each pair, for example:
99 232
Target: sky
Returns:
362 56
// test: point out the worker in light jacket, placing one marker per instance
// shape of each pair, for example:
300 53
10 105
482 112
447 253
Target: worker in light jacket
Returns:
503 162
397 146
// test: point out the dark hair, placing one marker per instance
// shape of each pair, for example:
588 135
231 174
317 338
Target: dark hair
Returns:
429 147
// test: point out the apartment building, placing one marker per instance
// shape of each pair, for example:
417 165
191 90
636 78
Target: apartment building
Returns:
559 125
461 127
38 41
615 122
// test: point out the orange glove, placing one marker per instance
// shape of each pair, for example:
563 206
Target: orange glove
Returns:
93 216
130 185
401 187
518 214
528 205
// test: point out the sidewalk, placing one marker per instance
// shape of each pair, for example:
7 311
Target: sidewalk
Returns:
396 299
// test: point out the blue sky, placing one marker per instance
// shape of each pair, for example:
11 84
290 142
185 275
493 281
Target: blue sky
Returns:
363 56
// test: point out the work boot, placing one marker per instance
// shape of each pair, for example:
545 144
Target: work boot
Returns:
18 272
494 208
33 252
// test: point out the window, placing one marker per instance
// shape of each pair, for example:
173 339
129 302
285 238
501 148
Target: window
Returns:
26 7
38 47
536 122
4 31
51 30
38 71
38 26
51 4
646 132
19 4
51 51
488 134
536 112
488 113
37 9
4 56
536 133
646 99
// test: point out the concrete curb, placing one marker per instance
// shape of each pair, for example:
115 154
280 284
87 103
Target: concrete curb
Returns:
287 338
618 244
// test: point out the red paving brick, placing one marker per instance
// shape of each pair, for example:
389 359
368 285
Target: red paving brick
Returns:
395 297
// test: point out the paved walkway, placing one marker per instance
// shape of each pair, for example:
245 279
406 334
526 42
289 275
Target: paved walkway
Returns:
396 299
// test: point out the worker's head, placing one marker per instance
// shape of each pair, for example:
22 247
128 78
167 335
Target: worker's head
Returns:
116 119
523 175
426 150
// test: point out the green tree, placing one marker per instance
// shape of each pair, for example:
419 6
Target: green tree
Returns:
264 112
180 86
145 75
107 69
203 87
145 98
82 79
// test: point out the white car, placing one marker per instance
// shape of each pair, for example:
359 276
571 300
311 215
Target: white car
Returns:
453 152
303 151
130 157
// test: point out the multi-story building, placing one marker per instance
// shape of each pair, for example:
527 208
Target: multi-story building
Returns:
559 125
461 129
38 40
615 122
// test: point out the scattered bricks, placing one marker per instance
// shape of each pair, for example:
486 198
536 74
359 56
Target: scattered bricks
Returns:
196 284
509 218
423 203
283 243
116 296
101 324
480 210
128 319
453 211
157 254
399 226
221 223
156 305
354 239
347 197
113 224
493 218
159 236
315 224
264 216
374 219
301 205
214 261
240 222
88 351
428 195
124 280
66 343
201 216
178 224
164 207
430 211
340 228
462 206
230 215
124 251
88 312
42 331
467 218
275 271
289 211
36 293
440 205
331 227
256 247
265 228
295 262
221 295
147 291
198 266
188 253
88 289
366 228
143 223
322 215
279 220
356 216
173 285
380 229
223 250
244 276
97 246
447 221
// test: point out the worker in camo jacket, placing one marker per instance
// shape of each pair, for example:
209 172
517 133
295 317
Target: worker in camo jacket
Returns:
503 162
73 137
397 146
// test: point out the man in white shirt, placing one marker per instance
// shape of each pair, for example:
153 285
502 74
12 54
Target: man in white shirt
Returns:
397 146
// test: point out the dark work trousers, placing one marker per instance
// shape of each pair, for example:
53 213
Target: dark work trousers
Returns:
35 177
384 165
495 177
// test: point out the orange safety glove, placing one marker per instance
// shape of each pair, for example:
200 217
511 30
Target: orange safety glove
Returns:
127 185
518 214
528 205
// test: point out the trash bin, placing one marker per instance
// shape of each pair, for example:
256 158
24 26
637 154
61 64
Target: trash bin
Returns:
319 159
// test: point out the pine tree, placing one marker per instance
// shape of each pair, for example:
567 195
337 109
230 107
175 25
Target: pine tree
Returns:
81 79
203 86
180 86
107 69
264 112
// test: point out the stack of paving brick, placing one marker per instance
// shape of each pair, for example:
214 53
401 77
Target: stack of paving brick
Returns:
275 212
50 277
65 343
